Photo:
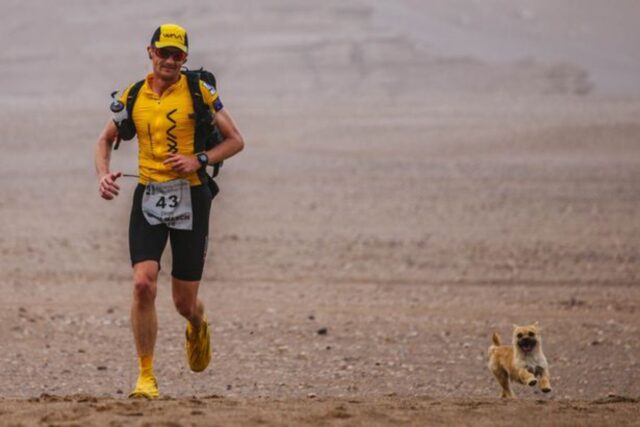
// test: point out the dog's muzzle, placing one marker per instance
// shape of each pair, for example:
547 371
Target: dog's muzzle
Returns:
527 344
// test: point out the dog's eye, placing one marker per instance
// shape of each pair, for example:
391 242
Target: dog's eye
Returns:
519 335
531 334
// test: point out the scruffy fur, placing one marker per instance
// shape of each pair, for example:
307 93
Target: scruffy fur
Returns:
521 362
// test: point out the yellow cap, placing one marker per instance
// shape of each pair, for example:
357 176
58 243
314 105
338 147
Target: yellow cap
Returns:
170 35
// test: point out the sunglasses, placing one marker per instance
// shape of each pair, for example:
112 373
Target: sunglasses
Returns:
165 53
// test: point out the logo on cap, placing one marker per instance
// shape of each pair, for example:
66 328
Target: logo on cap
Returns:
170 35
173 36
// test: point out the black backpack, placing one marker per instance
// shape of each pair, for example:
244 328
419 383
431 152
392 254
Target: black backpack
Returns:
207 135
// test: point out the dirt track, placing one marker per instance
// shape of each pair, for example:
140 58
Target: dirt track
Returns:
406 201
213 410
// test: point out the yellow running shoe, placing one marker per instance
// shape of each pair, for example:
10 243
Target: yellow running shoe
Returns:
198 346
146 387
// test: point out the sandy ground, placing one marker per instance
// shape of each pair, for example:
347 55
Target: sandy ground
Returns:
402 196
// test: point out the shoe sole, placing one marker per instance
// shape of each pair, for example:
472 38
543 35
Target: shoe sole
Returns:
141 395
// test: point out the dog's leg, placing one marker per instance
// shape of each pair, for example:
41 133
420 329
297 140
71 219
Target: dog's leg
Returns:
503 379
545 384
527 377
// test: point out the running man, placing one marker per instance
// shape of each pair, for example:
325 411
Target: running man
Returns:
172 200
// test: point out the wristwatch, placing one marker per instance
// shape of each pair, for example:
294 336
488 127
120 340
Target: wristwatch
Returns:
203 159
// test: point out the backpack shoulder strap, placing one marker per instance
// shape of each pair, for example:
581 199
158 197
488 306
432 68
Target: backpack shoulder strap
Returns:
127 128
205 131
199 106
132 96
202 115
202 118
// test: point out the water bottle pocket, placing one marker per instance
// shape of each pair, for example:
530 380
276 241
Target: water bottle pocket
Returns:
126 129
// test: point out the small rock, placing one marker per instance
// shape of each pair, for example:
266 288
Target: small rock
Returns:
312 395
102 368
323 331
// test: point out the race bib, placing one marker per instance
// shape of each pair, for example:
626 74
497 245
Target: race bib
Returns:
168 203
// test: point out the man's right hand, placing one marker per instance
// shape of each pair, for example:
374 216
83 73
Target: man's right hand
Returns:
108 187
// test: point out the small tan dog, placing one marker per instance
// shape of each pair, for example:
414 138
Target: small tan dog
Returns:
522 362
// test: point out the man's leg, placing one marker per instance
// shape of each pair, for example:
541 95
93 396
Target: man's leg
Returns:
144 324
143 308
189 249
185 298
198 340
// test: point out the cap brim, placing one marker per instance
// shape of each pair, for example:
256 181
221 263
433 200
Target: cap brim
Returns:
160 45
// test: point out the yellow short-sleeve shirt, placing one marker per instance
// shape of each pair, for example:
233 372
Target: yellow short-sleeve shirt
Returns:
164 125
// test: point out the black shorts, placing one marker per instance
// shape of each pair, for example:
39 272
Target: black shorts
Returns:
188 247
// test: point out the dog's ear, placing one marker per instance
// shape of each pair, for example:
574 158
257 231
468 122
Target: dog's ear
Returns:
515 326
536 324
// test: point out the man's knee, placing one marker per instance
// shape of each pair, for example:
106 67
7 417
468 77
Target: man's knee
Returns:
144 288
185 297
185 306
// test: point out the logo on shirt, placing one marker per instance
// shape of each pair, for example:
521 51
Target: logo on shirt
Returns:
173 141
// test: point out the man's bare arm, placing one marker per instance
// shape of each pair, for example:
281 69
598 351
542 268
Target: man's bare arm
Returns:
108 187
233 141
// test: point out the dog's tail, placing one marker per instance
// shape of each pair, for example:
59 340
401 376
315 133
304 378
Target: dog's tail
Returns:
496 339
496 343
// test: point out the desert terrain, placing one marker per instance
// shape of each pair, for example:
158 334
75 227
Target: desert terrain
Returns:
417 175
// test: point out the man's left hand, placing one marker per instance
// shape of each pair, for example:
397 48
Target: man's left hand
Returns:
183 164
